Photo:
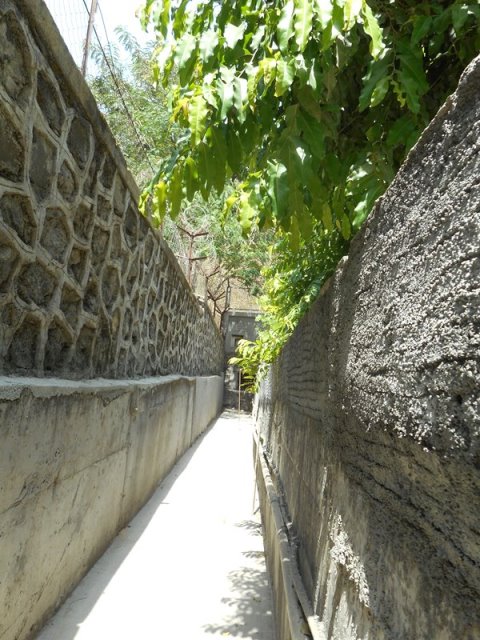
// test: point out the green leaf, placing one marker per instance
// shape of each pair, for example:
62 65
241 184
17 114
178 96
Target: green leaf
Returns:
210 96
252 84
191 178
285 26
246 213
323 9
327 219
160 199
164 56
400 131
295 200
179 18
234 151
175 191
309 103
313 134
305 224
208 43
460 13
351 11
161 16
294 235
240 97
303 16
380 91
375 83
301 70
206 172
233 33
226 90
219 159
334 168
145 13
267 69
318 193
372 28
278 189
197 118
422 26
284 77
411 77
258 37
185 57
248 136
345 226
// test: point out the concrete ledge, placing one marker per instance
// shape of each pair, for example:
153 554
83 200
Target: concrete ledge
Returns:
294 618
77 461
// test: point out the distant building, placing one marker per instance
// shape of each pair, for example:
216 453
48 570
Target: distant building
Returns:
239 324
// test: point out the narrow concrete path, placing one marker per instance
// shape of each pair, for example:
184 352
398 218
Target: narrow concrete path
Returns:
190 565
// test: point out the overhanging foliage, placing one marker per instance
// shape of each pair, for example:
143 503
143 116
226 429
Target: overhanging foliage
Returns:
308 106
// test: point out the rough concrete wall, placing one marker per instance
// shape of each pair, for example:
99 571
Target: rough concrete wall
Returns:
77 461
87 287
371 416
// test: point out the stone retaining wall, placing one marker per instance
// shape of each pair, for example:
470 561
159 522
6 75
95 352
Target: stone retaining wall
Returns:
87 287
370 420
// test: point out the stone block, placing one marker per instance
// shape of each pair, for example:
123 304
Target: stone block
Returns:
79 141
91 299
42 165
15 60
35 284
50 104
12 148
77 264
99 245
57 348
83 222
16 212
82 358
22 354
55 236
9 259
110 287
71 306
67 184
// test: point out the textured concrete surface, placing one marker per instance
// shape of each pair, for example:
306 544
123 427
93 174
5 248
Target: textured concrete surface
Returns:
77 461
371 417
87 286
294 617
191 564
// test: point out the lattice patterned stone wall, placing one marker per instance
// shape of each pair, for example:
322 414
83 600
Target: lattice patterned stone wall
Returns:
87 287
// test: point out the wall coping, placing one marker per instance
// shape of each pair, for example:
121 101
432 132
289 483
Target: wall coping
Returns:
11 388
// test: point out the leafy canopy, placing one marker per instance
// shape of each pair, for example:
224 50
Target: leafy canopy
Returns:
310 105
292 282
141 123
137 113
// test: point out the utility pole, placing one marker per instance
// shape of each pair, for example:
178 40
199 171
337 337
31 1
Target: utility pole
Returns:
88 39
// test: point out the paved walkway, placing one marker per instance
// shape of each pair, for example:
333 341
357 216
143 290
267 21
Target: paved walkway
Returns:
190 565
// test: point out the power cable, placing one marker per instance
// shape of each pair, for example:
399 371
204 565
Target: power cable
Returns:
117 85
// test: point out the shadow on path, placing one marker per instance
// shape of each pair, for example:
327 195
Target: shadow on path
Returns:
250 607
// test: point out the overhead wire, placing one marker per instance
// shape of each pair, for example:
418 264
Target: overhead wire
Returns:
111 69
